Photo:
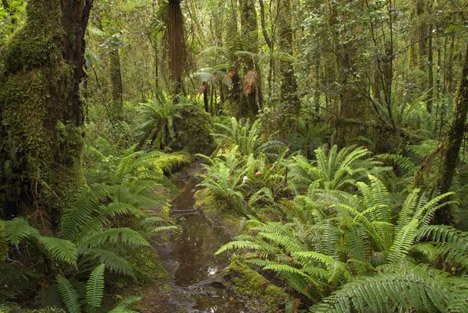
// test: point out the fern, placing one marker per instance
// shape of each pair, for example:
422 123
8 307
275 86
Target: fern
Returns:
125 305
417 288
95 287
60 250
19 229
113 261
68 295
113 236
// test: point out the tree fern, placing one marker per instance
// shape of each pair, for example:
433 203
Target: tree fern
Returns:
95 287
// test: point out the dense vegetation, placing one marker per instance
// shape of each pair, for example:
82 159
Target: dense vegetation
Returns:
333 132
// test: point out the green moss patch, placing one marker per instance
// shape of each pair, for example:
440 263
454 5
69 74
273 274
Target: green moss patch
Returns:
248 282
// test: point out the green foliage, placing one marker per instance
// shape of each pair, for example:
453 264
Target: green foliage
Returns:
243 134
415 288
94 294
68 295
245 181
334 169
95 287
157 119
58 250
332 237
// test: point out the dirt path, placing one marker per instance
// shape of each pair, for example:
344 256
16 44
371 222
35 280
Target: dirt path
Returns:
189 259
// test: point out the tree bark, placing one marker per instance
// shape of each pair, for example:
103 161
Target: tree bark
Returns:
41 136
288 89
453 143
177 48
249 104
116 82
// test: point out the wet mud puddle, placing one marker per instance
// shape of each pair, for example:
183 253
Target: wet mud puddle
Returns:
190 260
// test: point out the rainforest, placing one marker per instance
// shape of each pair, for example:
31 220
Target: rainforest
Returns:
233 156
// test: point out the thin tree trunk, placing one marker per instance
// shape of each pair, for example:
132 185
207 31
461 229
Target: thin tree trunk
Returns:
116 83
288 95
453 143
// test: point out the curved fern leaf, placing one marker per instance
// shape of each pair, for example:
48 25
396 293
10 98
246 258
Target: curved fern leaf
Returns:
60 250
416 288
19 229
95 287
68 294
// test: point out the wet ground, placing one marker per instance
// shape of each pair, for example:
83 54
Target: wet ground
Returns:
189 258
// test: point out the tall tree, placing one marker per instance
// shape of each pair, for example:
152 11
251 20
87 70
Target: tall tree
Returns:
177 48
288 96
354 108
41 110
453 142
252 81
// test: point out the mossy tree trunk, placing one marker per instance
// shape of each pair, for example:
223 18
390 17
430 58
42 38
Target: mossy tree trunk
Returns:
41 135
288 91
115 69
453 143
353 103
252 93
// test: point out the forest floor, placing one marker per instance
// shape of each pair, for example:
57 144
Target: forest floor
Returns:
194 281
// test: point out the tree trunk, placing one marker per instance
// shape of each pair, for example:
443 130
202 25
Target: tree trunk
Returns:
288 89
116 82
249 104
41 136
453 143
177 48
353 102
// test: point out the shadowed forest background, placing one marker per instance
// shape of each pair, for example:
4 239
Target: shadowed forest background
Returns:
233 156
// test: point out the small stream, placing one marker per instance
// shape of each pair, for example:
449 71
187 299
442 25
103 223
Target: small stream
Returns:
189 259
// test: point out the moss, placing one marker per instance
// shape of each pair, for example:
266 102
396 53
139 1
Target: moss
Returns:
36 44
40 141
248 282
193 131
146 266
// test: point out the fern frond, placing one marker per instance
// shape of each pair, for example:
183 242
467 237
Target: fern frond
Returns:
113 236
60 250
112 261
443 233
19 229
68 294
414 288
242 245
95 287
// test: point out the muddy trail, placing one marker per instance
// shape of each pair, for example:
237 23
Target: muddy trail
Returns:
188 257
